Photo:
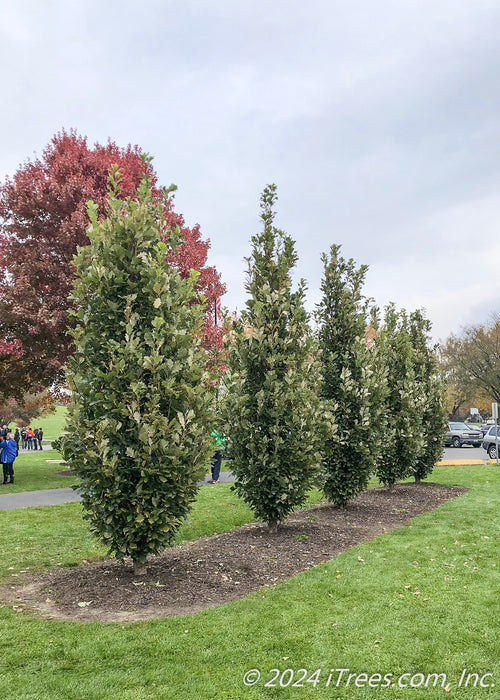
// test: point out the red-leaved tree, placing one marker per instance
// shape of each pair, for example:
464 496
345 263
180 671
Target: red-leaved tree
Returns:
25 410
43 220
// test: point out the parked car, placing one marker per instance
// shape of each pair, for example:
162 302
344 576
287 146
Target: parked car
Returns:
461 434
484 428
491 440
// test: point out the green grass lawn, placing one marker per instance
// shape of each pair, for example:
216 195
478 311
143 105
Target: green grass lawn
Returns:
52 424
423 599
32 472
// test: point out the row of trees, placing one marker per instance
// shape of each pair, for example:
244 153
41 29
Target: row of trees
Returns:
354 398
301 407
331 406
28 407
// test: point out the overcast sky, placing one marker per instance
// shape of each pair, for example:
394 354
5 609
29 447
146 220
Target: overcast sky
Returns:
377 120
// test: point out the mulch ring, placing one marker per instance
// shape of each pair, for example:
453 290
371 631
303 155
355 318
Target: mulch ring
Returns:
213 570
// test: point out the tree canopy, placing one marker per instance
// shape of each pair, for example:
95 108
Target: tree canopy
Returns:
350 380
43 221
138 429
471 363
432 393
404 403
272 410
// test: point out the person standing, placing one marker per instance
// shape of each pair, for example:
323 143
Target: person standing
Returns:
17 438
24 439
8 449
218 444
40 437
35 439
29 438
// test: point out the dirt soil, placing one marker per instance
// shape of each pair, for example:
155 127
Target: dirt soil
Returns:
214 570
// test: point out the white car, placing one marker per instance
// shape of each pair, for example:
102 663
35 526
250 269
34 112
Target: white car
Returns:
491 441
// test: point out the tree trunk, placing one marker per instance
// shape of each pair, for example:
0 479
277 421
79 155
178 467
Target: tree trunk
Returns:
417 479
139 567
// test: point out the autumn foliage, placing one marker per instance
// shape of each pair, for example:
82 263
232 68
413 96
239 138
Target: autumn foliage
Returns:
26 409
43 220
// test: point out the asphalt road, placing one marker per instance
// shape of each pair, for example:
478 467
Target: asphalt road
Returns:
465 452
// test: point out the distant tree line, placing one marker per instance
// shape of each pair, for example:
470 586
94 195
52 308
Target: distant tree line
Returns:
470 362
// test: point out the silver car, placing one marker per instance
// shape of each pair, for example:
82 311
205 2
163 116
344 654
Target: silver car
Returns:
491 441
460 434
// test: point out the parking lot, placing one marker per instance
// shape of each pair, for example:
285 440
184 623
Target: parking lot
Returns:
465 452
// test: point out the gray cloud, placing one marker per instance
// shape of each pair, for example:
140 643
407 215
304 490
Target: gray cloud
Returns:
378 122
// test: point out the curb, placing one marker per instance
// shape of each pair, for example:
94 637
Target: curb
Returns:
458 462
463 462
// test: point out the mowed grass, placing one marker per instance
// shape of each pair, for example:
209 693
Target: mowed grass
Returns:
52 424
50 536
32 472
422 599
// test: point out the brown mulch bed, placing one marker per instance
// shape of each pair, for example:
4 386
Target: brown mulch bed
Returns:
214 570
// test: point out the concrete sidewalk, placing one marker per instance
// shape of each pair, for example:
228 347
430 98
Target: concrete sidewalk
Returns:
46 497
45 446
54 497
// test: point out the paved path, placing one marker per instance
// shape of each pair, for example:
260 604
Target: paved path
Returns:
45 446
54 497
45 497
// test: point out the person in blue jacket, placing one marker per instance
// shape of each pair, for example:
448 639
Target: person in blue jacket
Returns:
8 454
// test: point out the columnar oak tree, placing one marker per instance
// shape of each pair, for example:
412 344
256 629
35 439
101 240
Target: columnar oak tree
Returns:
404 403
351 383
138 431
271 409
432 393
43 221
